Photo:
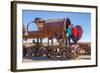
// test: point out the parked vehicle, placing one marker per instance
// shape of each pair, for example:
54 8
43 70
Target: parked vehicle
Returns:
52 29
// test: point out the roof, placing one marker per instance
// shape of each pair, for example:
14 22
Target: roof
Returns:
54 20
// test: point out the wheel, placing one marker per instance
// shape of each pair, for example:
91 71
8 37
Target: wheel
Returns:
64 53
52 53
34 51
74 53
42 51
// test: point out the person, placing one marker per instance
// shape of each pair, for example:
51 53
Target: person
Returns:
69 33
74 34
66 37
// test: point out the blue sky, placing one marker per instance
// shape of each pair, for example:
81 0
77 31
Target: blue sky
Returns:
76 18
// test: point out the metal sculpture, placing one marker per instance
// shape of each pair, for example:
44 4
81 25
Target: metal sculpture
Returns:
52 28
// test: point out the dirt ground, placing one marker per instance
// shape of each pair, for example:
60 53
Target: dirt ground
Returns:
39 59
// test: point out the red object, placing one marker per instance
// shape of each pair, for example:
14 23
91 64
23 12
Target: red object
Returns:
79 33
74 31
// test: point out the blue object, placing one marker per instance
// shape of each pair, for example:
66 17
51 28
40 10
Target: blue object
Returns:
69 31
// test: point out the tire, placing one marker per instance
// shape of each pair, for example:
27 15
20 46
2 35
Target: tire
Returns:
64 53
34 50
42 51
51 53
74 53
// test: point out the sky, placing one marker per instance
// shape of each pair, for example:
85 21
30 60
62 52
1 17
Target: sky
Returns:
76 18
